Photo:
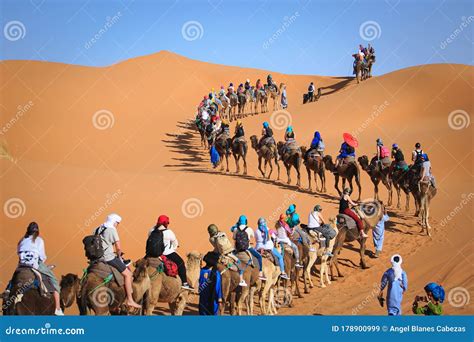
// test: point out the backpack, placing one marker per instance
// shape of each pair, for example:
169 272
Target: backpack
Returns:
242 242
93 245
384 152
155 245
223 244
170 267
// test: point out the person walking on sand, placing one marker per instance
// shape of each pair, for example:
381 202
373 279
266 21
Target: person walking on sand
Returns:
31 252
379 232
396 281
111 242
284 100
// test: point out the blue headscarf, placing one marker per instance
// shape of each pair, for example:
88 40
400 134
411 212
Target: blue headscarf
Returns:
289 129
436 290
262 226
265 124
291 209
242 220
316 139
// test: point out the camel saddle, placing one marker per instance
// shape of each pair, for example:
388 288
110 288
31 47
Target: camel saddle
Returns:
103 270
313 154
268 141
346 221
269 255
239 139
247 259
27 278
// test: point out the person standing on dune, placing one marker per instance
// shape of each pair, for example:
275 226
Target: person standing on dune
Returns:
396 281
284 100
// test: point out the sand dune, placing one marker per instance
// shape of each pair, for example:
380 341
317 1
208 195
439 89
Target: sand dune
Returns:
86 141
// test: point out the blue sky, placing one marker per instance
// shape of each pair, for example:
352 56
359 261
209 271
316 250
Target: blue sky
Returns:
296 37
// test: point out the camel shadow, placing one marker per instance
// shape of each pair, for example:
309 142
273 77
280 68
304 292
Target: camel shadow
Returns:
333 88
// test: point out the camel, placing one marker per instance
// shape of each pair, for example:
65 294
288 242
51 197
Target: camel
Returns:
360 71
288 288
234 295
267 153
370 214
376 175
70 285
201 127
223 147
224 107
315 98
25 298
346 171
251 101
370 61
234 102
272 273
291 157
262 98
314 162
320 252
275 94
242 104
151 286
422 191
239 150
399 182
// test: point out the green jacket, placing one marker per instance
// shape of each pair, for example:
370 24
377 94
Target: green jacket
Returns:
428 310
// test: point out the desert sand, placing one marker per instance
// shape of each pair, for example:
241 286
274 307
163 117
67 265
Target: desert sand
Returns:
81 142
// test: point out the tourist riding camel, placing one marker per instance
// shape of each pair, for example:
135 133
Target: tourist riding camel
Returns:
293 220
316 223
265 243
347 152
290 141
31 254
383 155
247 85
271 84
171 244
224 248
317 145
345 209
243 236
398 162
284 232
267 136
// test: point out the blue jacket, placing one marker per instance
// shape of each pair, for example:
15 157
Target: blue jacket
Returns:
344 152
210 292
316 140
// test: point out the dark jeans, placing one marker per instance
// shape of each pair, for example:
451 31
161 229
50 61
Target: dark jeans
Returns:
174 257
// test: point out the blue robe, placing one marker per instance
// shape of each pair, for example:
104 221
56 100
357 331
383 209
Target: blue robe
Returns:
378 232
210 292
395 291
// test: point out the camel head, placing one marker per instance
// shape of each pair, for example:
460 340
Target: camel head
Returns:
327 159
69 284
254 141
364 162
140 271
193 267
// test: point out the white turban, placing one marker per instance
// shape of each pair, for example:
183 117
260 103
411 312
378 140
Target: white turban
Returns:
397 266
112 219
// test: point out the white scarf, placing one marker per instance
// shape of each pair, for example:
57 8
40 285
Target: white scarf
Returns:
397 266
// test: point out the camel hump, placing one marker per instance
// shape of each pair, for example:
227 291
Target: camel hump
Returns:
345 221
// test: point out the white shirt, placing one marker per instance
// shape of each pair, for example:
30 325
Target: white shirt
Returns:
30 252
314 221
169 239
259 236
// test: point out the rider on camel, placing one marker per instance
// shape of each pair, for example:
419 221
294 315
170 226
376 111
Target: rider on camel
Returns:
345 151
317 145
344 208
267 135
247 84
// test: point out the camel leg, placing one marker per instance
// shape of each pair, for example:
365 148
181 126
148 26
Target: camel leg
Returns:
322 176
407 202
323 271
271 167
309 178
390 193
298 175
362 253
357 180
236 158
278 168
260 167
399 194
315 175
288 173
245 164
336 184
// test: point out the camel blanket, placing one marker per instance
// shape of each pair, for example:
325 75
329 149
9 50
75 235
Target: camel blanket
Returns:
154 262
103 270
292 146
347 221
239 139
35 279
269 255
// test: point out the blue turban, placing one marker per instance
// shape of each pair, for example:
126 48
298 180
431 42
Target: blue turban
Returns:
436 290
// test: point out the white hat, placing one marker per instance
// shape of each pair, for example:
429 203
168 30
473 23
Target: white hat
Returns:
112 219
